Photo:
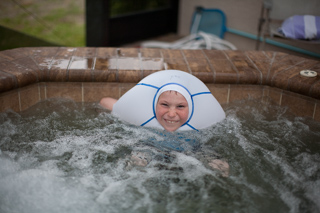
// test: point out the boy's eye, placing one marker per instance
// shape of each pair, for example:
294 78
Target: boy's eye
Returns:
164 104
181 106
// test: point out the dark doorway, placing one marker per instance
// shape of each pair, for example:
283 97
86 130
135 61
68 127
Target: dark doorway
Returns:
118 22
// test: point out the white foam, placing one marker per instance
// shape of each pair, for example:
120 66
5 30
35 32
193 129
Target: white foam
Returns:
38 191
7 166
192 167
83 167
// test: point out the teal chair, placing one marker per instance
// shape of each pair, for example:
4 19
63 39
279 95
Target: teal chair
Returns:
212 21
207 30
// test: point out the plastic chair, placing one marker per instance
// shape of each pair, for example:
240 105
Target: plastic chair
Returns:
207 30
212 21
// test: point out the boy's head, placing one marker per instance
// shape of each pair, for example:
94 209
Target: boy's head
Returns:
173 107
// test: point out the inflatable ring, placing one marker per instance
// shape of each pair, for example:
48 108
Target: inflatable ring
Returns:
137 106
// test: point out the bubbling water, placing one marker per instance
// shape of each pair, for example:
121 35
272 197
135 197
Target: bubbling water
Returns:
61 156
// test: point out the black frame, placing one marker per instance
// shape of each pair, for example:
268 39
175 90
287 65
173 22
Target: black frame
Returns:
103 30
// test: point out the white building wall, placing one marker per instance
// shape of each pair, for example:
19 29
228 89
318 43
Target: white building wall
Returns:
244 14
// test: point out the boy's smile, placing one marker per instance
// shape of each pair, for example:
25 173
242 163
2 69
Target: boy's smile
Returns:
172 110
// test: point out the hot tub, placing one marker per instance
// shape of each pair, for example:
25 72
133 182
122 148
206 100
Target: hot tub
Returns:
29 75
59 153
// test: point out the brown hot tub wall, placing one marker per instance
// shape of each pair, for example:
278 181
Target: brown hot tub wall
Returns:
29 75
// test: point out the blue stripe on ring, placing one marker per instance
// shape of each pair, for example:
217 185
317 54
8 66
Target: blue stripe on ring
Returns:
147 121
201 93
148 85
152 86
192 127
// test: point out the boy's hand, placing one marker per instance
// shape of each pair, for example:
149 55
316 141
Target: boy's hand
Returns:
220 165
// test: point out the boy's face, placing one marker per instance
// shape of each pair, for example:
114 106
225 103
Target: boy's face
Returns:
172 110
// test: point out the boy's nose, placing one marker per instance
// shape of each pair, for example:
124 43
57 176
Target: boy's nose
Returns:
171 113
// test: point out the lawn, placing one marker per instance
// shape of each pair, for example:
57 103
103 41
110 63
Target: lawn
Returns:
58 21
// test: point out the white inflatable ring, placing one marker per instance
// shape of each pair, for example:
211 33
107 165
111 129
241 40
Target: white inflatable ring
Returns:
137 106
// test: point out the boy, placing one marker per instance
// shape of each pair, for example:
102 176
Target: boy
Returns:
172 111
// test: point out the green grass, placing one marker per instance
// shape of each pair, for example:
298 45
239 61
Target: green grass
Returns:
60 26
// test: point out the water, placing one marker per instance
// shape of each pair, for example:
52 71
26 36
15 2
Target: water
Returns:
60 156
